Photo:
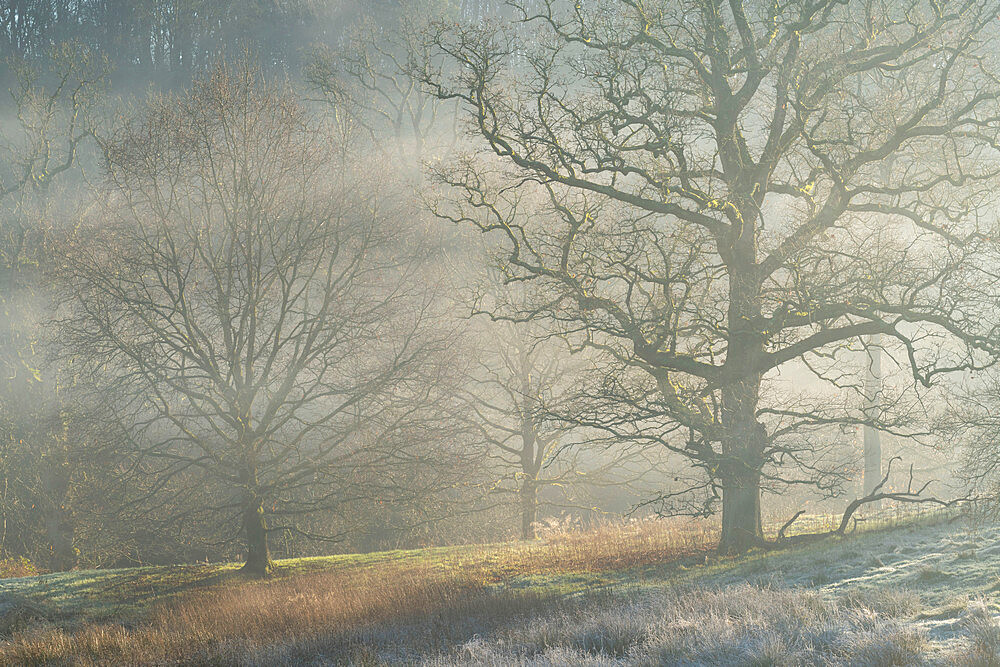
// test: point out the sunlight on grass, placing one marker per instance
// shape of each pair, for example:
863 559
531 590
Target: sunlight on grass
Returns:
339 605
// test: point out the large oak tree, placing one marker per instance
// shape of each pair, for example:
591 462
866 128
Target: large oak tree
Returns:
713 191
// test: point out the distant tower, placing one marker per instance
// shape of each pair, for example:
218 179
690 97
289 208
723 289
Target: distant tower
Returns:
873 398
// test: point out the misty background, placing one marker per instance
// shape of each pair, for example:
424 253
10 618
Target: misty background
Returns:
256 282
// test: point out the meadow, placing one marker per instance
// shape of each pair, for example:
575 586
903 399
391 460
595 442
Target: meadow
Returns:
914 590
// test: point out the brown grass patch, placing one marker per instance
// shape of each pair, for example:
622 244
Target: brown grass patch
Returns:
337 612
417 602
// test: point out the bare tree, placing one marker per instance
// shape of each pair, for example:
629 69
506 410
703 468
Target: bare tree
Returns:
370 77
41 141
259 314
524 394
696 188
52 119
510 399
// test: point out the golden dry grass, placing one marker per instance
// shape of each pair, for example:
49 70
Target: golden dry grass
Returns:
227 622
341 607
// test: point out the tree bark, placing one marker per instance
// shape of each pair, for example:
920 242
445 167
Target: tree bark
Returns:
741 468
741 523
745 438
529 508
255 532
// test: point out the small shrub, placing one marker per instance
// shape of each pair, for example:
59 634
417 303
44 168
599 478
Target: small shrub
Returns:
16 566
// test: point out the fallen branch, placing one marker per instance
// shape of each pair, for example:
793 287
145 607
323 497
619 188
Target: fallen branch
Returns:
910 495
788 524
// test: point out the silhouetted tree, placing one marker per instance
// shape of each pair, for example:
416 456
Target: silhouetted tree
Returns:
697 189
259 315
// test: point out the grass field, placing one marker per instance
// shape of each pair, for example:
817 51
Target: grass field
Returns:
918 591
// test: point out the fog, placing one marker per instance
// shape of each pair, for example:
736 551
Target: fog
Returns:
610 284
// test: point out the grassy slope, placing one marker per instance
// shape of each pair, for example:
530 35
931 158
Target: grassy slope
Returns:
946 562
114 594
95 595
940 565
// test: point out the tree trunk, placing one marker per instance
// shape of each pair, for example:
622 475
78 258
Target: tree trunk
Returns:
530 458
255 532
59 529
59 526
741 523
740 471
529 508
745 438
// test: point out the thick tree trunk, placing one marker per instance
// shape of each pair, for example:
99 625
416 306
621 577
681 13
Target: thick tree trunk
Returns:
255 532
529 508
745 438
740 471
741 523
741 474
